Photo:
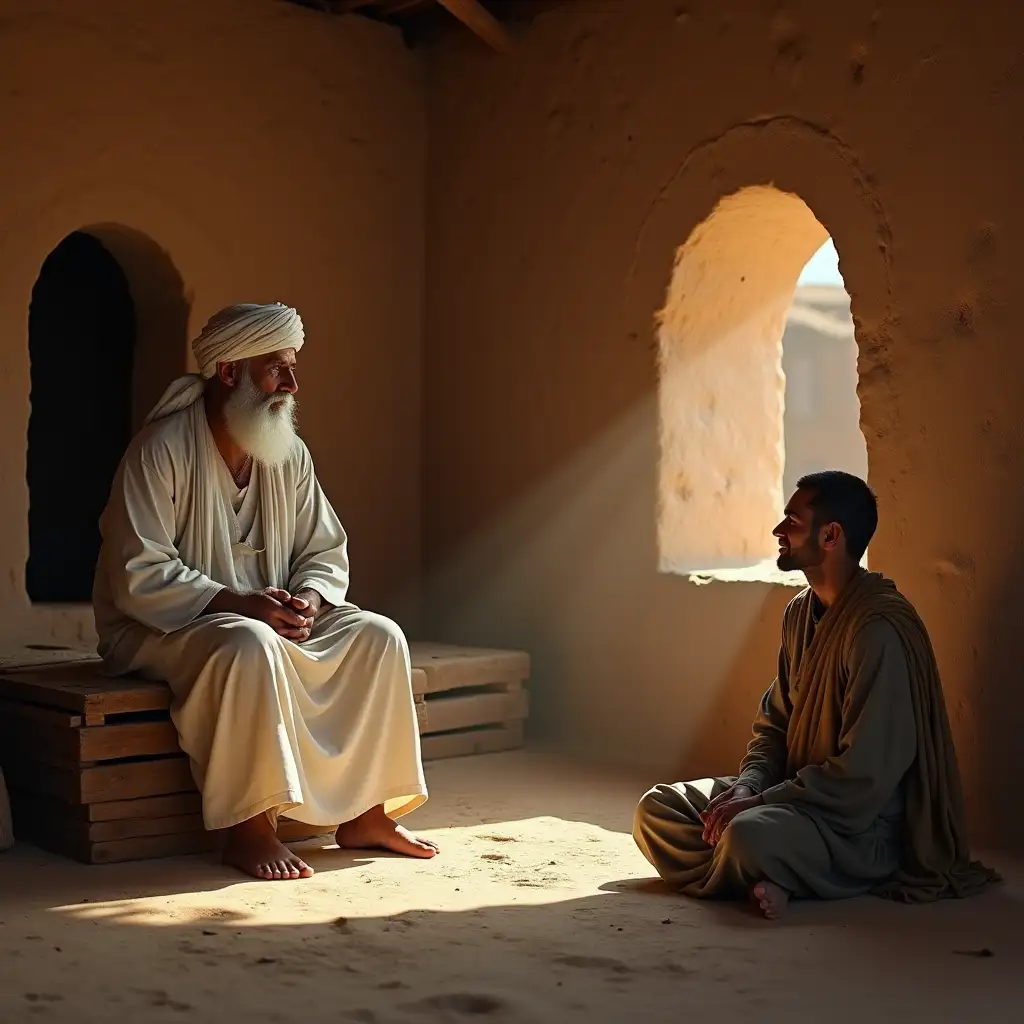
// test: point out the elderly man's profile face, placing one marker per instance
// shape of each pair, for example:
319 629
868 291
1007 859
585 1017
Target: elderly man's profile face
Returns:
275 372
260 409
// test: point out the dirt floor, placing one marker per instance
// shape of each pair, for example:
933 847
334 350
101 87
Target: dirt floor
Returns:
539 909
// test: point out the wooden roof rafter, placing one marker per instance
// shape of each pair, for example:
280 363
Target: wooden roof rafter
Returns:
480 22
471 13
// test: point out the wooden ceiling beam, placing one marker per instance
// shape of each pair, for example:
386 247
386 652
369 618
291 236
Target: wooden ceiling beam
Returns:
481 22
389 7
348 6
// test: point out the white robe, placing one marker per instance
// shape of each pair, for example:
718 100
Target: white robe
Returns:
322 730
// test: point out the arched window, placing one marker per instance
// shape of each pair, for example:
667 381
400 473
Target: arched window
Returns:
730 333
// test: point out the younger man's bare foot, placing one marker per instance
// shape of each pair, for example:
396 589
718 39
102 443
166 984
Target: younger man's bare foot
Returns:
374 830
771 898
253 847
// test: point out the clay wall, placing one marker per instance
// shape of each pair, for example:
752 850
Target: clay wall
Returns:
561 183
228 151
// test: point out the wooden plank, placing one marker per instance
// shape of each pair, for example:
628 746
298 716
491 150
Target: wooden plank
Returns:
480 22
421 715
123 780
348 6
133 739
82 689
40 741
60 840
167 805
131 828
41 655
419 682
490 740
152 847
448 667
25 740
46 780
449 713
130 779
32 815
389 8
11 710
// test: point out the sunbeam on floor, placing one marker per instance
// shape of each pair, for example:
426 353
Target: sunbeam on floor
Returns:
540 908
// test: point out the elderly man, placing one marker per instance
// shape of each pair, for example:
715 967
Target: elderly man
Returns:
224 571
850 783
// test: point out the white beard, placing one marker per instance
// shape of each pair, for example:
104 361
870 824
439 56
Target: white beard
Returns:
262 425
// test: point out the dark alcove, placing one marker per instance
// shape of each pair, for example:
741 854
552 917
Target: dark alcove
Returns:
81 348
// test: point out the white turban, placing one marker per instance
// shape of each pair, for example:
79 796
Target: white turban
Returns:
237 332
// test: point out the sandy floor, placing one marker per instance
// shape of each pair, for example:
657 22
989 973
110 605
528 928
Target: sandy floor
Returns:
540 909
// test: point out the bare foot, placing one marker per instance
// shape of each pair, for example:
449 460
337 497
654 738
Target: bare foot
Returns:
253 847
374 830
771 898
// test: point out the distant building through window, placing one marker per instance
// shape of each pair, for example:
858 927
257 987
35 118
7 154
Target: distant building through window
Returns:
819 361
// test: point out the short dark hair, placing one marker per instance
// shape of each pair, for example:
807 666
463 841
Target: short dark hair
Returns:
838 497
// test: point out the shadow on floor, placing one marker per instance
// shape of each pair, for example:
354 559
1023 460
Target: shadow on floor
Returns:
539 909
319 952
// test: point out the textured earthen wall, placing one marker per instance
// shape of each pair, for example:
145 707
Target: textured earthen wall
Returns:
561 182
227 151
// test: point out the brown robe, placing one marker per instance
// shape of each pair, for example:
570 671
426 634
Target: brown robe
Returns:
854 760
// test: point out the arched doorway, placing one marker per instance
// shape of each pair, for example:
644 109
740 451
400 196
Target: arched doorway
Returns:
82 335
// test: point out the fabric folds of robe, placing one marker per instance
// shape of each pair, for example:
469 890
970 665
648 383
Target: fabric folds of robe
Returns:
776 843
936 861
171 539
321 731
829 856
854 738
319 727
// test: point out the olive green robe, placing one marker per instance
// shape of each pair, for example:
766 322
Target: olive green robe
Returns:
853 758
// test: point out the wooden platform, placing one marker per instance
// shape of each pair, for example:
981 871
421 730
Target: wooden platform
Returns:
93 766
95 772
473 699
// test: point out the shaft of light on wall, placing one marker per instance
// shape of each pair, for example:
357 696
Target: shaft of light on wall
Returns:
574 557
